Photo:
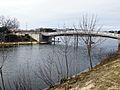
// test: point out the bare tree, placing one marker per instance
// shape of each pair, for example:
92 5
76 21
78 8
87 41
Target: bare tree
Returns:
2 61
24 80
46 72
21 82
65 50
88 25
5 25
9 22
56 67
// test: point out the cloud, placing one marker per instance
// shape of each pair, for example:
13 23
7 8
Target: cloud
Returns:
52 12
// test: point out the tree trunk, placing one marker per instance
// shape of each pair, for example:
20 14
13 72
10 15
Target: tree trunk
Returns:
67 68
89 52
2 79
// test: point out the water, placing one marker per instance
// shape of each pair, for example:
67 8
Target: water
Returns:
28 59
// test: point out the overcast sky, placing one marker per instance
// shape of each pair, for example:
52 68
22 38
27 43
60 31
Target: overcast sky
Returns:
56 13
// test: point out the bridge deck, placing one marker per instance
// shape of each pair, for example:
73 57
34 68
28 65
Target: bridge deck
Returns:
71 32
100 34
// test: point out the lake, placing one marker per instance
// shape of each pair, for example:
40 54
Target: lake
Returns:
29 59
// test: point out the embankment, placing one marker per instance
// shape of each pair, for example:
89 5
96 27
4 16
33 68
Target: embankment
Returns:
104 76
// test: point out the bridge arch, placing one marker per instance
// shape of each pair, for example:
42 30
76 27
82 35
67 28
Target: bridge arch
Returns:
82 33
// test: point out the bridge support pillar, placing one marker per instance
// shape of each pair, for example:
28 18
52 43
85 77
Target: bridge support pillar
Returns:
77 40
54 39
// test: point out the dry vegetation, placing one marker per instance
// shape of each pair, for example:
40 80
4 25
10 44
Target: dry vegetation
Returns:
105 76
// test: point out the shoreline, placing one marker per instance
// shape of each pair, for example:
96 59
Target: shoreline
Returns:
81 77
10 44
21 43
17 43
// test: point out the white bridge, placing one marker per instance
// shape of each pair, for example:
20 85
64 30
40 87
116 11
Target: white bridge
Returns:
47 36
82 33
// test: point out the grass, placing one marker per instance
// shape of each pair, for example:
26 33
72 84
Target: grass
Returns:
104 76
17 43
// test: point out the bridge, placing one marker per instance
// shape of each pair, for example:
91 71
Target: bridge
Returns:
46 37
82 33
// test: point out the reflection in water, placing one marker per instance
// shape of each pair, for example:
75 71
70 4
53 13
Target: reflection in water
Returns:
27 59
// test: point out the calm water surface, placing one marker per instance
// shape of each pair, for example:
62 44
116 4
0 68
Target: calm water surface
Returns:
27 59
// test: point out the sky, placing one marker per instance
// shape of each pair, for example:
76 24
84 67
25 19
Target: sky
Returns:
57 13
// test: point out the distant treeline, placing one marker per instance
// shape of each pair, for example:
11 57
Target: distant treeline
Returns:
7 36
20 38
117 32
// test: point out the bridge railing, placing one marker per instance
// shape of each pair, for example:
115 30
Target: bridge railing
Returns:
102 33
65 32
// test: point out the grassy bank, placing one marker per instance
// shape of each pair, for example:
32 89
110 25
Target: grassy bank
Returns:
17 43
104 76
